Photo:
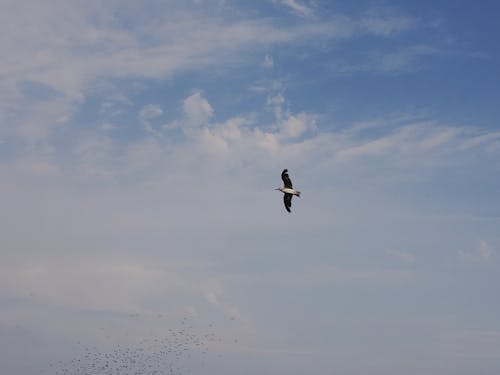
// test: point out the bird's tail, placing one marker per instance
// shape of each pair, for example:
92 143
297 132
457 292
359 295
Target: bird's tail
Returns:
298 194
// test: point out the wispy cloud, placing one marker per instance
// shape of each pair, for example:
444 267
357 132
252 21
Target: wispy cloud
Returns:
385 22
150 111
401 255
296 137
297 7
483 252
408 58
268 61
92 43
400 60
163 46
74 51
197 110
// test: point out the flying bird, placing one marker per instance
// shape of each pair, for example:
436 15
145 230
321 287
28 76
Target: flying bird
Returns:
288 190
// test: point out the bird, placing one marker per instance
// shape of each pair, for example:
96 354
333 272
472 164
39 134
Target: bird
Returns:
288 190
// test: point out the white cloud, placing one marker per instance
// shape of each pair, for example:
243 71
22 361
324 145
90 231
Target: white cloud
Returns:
475 140
106 126
268 61
440 138
215 298
150 111
384 22
295 137
405 59
74 50
115 102
197 110
147 113
295 126
297 7
292 137
420 141
60 48
276 100
70 46
267 86
483 252
400 60
241 140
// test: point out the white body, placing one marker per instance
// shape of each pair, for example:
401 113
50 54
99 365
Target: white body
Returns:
290 191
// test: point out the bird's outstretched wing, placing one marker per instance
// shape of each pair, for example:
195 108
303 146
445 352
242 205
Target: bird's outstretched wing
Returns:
286 180
287 199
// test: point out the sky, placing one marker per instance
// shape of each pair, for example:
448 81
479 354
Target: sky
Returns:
140 143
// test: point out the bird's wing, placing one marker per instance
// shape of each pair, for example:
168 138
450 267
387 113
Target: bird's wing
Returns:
286 180
287 199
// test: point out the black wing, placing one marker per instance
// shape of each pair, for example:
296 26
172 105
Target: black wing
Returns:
287 198
286 180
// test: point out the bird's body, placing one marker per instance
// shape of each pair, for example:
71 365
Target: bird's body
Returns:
288 190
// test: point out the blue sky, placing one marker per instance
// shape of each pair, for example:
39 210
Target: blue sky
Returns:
139 148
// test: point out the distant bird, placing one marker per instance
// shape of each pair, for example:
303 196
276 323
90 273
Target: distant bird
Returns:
288 190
